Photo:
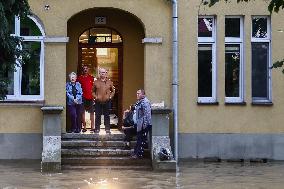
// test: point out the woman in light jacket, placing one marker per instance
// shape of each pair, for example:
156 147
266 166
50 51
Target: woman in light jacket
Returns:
74 102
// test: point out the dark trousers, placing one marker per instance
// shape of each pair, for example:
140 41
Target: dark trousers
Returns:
129 133
75 112
102 108
142 141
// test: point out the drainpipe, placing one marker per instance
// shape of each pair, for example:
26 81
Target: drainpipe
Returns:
175 74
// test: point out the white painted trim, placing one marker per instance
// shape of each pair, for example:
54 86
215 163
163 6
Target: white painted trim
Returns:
265 40
239 41
152 40
18 72
210 41
56 39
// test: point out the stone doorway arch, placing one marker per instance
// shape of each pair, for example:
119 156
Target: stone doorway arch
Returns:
132 32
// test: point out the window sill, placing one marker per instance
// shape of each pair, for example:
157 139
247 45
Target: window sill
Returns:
207 103
22 103
262 103
236 103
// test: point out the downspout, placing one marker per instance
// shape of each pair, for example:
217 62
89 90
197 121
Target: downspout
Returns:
175 82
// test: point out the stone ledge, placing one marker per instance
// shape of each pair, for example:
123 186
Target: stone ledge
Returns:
52 109
161 110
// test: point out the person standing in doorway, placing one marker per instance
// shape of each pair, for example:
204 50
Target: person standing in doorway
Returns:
74 102
87 82
103 92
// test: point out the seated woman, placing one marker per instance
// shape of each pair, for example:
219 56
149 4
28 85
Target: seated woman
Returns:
74 103
129 126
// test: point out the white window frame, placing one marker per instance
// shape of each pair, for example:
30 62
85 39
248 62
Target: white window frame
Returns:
264 40
210 41
18 71
237 41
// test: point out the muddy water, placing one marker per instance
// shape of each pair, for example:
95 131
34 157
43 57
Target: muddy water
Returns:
190 175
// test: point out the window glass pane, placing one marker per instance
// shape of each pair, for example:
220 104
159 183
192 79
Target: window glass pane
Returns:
12 26
232 69
29 28
7 75
84 37
205 27
31 69
204 70
259 27
232 27
116 38
260 66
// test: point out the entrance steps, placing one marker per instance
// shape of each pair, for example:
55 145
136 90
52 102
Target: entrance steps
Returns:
99 150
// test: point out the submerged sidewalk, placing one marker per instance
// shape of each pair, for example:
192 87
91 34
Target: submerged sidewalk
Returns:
27 175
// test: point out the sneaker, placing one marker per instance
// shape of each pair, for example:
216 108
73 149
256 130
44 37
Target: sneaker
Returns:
134 156
108 132
84 130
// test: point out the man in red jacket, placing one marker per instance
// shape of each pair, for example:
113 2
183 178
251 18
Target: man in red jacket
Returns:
87 82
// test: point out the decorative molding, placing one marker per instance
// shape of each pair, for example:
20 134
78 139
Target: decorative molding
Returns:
56 39
152 40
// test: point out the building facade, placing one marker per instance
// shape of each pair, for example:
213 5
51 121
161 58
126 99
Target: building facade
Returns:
229 100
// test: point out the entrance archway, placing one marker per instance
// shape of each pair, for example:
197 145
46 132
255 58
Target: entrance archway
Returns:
121 35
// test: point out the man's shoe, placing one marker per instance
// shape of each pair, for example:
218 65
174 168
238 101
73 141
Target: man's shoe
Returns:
126 147
108 132
134 156
84 130
97 131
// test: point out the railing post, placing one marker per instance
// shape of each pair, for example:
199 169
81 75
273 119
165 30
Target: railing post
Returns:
161 139
51 149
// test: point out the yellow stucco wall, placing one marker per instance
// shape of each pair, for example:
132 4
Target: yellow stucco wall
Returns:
138 65
155 16
226 118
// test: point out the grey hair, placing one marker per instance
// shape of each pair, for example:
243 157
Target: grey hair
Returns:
72 73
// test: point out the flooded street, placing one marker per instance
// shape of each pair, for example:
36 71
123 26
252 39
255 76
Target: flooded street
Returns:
190 175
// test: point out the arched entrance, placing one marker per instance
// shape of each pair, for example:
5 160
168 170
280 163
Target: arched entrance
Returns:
101 47
115 44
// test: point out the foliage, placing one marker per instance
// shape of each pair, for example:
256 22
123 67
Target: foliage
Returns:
274 5
9 52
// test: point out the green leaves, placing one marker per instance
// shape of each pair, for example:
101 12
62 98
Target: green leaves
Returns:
278 64
274 5
9 51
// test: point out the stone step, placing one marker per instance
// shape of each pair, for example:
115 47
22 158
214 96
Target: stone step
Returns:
91 136
107 161
95 152
105 167
97 144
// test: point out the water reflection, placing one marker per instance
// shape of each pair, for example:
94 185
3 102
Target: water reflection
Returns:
26 175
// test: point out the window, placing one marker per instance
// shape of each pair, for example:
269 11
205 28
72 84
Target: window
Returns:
27 80
261 74
206 59
234 90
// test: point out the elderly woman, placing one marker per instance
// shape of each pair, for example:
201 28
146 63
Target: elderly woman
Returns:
74 102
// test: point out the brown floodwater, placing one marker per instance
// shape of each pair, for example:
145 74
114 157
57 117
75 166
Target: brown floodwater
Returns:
191 175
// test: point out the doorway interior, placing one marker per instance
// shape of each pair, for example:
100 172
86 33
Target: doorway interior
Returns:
102 48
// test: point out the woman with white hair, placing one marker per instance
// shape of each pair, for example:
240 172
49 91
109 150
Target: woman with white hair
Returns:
74 102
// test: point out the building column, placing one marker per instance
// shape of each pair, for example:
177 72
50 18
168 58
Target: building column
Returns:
51 149
161 140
